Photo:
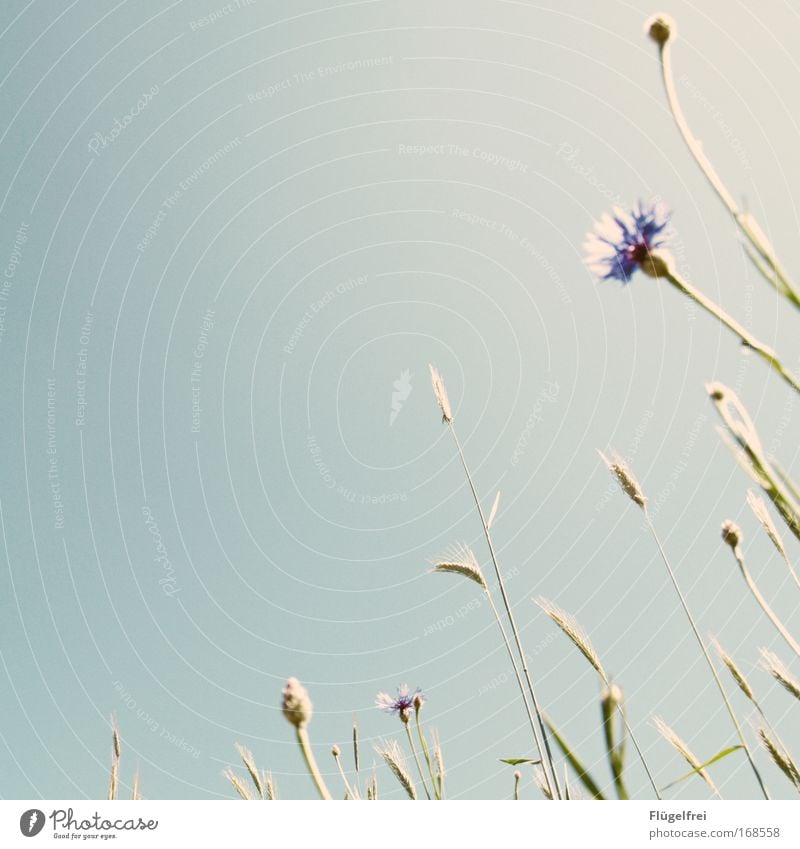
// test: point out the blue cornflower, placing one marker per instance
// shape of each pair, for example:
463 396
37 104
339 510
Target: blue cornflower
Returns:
402 703
622 242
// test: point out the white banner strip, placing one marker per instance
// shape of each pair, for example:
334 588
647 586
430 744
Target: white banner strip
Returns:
617 825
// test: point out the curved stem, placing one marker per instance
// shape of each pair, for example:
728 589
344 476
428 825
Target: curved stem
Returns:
703 648
347 787
771 270
311 763
762 602
765 352
416 761
548 761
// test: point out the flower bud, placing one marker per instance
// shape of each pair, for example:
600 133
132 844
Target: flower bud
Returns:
660 28
731 533
297 707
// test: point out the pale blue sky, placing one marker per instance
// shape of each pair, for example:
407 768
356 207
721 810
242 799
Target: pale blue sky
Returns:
293 211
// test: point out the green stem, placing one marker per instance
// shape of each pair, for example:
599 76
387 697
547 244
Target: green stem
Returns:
311 763
703 648
347 787
766 353
771 269
426 754
416 760
548 760
762 602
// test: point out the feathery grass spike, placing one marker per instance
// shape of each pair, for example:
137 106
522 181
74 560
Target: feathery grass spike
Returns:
573 631
393 756
630 486
685 752
460 560
780 672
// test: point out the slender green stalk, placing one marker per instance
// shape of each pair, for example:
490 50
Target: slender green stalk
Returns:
764 256
703 648
762 602
347 786
753 458
766 353
426 754
311 763
517 777
416 760
548 760
578 638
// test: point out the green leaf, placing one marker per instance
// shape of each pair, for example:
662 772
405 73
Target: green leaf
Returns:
718 757
517 761
581 771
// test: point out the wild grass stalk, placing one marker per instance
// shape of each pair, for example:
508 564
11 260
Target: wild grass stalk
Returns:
682 747
576 634
750 454
462 561
732 536
780 672
297 709
350 793
761 513
393 756
631 487
116 754
540 732
662 30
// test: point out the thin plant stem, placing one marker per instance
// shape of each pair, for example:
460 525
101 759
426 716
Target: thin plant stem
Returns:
710 663
426 753
416 760
549 757
635 742
753 458
766 353
347 787
768 264
311 763
762 602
